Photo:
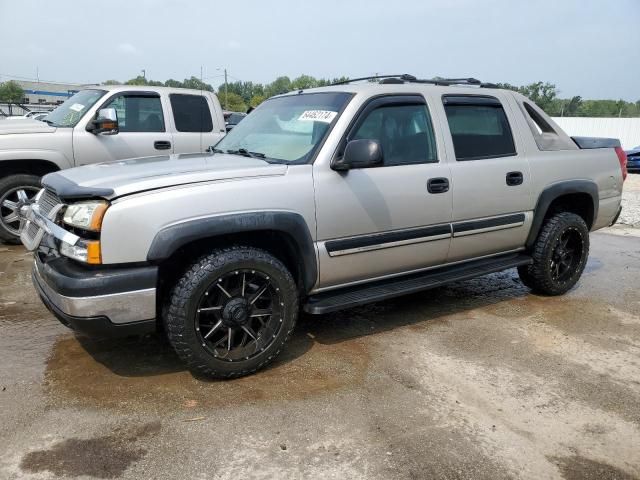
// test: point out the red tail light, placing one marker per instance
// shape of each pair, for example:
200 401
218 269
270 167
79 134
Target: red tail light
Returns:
622 158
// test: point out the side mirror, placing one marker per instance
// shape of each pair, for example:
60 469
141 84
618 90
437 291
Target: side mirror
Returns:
364 153
106 122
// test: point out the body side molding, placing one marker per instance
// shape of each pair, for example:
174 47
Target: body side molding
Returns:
171 238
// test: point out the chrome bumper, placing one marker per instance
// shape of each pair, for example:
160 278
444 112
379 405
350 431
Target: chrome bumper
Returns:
38 223
119 308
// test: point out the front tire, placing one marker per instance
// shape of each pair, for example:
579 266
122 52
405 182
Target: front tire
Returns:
15 191
559 255
232 311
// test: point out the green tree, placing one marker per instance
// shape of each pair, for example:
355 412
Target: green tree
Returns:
140 80
11 92
303 81
279 86
112 82
196 84
231 101
173 83
256 100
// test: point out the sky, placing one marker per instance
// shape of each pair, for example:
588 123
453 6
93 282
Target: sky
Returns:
589 48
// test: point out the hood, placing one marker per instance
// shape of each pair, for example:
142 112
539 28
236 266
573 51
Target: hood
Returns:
114 179
24 125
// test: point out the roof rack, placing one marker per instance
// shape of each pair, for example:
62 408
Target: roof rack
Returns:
407 78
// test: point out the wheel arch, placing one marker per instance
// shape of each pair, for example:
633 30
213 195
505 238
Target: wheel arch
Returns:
576 196
284 234
33 166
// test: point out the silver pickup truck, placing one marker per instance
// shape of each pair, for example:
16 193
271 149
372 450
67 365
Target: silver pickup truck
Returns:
321 199
141 121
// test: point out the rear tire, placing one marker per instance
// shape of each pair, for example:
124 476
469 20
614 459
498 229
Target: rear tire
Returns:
12 191
559 255
232 311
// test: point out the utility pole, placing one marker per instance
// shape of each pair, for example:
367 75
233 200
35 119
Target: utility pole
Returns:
226 90
144 74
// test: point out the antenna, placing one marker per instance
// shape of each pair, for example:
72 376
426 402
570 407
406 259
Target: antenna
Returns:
202 111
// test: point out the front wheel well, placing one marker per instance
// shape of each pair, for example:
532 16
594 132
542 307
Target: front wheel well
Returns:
28 167
279 244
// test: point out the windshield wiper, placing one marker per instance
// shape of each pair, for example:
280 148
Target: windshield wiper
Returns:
246 153
215 150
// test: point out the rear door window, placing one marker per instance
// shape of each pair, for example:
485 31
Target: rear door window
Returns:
479 127
191 113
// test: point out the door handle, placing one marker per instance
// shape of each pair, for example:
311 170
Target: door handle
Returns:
438 185
162 145
514 179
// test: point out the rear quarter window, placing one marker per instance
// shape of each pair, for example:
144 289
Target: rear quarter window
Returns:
479 128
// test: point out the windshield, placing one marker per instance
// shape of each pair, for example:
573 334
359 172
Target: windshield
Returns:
70 112
286 129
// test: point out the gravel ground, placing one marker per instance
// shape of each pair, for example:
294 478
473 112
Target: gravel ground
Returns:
630 215
478 380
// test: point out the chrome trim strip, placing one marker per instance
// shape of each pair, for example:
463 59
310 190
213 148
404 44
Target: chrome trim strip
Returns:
119 308
380 246
487 229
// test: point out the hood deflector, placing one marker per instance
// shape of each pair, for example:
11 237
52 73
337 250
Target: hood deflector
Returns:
65 189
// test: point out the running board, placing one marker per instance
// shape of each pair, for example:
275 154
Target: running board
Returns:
382 290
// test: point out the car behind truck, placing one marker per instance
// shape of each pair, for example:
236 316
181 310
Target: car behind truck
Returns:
100 124
321 199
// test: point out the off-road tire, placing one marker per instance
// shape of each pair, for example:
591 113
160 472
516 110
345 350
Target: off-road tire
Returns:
180 316
8 183
539 275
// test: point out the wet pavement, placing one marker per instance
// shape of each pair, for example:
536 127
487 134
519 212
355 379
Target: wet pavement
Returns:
479 380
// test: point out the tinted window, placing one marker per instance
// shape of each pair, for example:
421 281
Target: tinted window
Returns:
479 130
191 113
137 113
404 132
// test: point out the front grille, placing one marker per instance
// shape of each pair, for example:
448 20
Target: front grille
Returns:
32 234
48 201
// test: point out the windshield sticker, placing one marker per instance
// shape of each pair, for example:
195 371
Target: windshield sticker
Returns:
325 116
77 107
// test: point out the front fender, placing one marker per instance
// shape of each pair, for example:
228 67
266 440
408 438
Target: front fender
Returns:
168 240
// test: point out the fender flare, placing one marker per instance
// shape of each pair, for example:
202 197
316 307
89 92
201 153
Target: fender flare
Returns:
171 238
551 193
24 155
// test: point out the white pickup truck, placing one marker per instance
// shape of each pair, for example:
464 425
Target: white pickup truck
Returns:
101 124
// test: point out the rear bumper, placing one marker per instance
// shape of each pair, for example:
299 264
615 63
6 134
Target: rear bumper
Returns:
615 219
106 302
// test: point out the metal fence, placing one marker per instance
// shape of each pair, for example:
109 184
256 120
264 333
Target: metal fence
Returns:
625 129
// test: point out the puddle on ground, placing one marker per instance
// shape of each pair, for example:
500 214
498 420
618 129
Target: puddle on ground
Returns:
146 374
581 468
102 457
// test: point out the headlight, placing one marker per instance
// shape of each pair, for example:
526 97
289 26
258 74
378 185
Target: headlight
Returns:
86 215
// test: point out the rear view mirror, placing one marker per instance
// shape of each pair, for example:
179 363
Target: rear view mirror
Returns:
364 153
106 122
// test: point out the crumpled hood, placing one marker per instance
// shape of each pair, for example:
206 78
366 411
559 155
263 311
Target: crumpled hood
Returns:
114 179
24 125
